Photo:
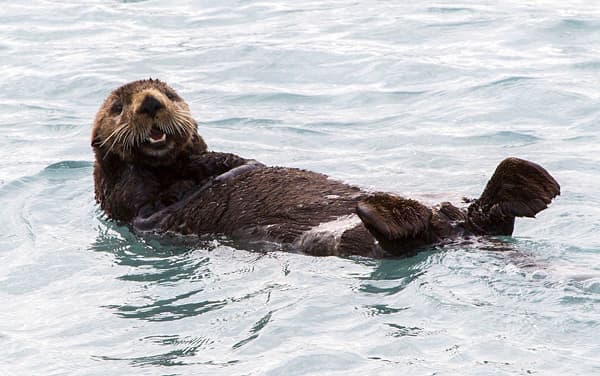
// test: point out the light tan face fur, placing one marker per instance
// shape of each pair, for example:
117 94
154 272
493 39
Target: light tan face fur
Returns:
143 119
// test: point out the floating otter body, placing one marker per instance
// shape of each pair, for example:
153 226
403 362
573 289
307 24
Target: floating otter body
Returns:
153 171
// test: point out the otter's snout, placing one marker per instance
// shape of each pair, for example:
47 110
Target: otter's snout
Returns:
150 105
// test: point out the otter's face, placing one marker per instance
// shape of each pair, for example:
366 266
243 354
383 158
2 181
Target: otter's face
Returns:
144 121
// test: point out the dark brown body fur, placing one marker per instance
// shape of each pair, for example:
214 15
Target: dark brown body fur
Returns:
276 205
172 184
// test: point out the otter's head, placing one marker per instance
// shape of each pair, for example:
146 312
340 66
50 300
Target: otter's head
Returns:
146 122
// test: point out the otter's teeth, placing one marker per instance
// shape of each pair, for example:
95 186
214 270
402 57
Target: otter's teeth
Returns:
154 141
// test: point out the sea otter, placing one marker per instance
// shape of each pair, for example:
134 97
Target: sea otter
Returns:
153 171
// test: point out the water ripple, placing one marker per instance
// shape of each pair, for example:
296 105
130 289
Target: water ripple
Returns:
414 97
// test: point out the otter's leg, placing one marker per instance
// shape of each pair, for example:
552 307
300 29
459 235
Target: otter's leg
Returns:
518 188
400 225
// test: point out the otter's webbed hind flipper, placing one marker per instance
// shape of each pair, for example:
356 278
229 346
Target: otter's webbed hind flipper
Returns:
518 188
400 225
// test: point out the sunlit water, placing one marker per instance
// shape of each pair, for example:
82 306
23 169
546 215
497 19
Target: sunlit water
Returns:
416 98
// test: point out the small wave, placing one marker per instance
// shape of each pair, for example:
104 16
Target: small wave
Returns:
444 10
241 121
577 24
501 138
404 331
383 309
69 165
508 81
462 24
591 65
254 331
166 310
286 98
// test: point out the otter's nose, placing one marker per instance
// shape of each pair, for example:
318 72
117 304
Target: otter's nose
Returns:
150 106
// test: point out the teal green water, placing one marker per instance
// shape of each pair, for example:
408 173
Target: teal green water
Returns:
422 99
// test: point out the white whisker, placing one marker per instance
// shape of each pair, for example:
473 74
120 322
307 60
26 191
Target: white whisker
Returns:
117 130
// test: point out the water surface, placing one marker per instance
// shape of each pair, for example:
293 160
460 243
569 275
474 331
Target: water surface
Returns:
422 99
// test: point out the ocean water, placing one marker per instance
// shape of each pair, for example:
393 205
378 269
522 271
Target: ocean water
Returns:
420 98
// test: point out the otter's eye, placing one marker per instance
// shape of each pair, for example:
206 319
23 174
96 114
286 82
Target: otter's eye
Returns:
116 107
171 95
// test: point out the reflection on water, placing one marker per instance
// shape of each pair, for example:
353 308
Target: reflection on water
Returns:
244 311
189 302
167 309
392 276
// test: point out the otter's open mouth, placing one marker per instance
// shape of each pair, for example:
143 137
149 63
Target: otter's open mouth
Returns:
157 137
157 144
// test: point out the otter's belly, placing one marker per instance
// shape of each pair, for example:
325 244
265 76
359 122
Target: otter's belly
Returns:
300 209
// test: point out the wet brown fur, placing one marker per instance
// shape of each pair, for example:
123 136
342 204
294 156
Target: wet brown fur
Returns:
178 186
